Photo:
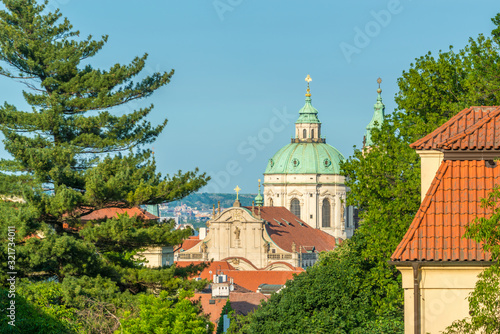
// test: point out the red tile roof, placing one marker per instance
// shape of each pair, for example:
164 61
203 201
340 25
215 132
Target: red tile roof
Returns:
249 279
214 310
213 267
451 203
292 229
246 302
114 212
190 243
475 128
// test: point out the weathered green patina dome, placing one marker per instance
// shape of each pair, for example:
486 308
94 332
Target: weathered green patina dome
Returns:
305 158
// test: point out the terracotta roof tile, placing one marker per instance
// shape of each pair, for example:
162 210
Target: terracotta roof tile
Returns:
108 213
291 229
190 243
475 128
249 279
452 202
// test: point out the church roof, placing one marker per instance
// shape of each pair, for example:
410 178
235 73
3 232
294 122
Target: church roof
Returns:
452 202
285 228
474 128
305 158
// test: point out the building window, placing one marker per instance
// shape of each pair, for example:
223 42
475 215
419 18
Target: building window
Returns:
295 207
326 213
270 202
304 133
312 133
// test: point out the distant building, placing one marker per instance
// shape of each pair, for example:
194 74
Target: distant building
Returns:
304 176
155 256
258 238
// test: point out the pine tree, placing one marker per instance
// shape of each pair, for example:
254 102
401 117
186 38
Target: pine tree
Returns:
74 152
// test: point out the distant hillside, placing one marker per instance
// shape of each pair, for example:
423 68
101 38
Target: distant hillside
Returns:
205 201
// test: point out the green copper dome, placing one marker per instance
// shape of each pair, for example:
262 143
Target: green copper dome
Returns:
305 158
308 114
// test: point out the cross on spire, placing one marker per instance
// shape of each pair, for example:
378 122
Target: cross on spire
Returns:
237 189
308 80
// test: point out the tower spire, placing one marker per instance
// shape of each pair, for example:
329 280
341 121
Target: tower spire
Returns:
259 200
378 117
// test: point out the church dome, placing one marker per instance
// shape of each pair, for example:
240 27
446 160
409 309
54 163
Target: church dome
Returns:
308 152
305 158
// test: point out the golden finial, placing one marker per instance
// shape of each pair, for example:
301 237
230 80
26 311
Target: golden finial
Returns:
237 189
259 185
308 80
379 81
213 212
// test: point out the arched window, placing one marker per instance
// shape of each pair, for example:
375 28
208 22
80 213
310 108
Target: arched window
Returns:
270 202
304 133
326 213
295 207
312 133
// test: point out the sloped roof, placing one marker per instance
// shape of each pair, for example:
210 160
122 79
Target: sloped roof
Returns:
249 279
190 242
292 229
108 213
451 203
474 128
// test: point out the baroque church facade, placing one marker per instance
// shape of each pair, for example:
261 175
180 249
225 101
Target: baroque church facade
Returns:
304 176
301 212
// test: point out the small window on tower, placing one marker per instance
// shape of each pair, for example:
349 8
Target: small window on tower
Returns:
304 134
312 133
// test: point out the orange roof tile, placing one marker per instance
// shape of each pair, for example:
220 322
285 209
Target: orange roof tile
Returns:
452 202
114 212
474 128
249 279
213 310
246 302
292 229
190 243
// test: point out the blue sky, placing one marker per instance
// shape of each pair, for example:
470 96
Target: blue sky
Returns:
240 67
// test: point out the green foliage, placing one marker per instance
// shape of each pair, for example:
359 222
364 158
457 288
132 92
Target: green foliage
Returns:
484 306
38 310
334 296
484 301
227 309
353 289
74 151
163 314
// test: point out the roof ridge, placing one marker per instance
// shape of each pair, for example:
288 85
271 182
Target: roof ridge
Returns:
436 131
421 211
446 144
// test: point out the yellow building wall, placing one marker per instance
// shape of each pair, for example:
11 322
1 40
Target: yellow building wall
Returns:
444 293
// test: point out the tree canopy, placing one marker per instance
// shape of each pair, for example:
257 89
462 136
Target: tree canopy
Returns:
363 292
74 151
